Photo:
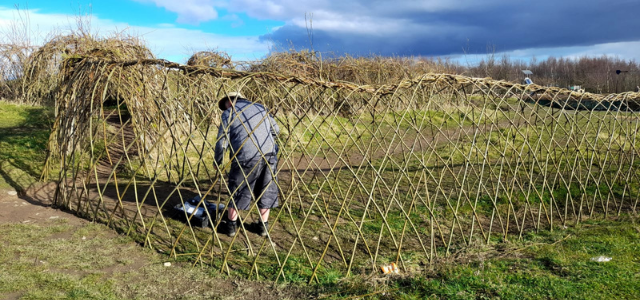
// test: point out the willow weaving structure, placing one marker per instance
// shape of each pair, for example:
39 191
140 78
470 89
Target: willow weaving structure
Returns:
368 175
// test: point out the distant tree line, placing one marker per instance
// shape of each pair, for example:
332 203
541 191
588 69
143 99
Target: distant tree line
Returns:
603 74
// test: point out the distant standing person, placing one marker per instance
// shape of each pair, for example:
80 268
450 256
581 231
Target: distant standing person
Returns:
250 132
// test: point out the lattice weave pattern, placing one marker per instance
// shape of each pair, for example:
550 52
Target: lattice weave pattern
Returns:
368 175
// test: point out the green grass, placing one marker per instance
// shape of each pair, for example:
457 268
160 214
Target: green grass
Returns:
32 252
551 265
544 265
24 132
59 260
313 132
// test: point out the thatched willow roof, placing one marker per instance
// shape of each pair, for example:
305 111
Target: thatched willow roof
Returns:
42 75
211 59
296 63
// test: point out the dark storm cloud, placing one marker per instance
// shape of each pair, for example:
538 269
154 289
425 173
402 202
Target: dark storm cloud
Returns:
470 28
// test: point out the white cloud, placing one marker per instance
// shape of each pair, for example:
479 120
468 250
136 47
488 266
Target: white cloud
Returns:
441 5
177 44
277 9
166 25
443 27
165 41
30 26
189 11
403 27
347 11
235 20
330 21
359 17
622 50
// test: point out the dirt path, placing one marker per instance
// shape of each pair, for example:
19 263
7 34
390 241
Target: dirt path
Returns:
123 136
134 271
34 207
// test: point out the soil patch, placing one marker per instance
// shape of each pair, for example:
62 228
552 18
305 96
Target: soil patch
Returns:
136 272
33 207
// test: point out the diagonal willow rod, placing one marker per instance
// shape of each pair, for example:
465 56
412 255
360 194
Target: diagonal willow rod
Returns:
408 172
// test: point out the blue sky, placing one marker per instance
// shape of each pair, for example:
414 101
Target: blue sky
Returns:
465 30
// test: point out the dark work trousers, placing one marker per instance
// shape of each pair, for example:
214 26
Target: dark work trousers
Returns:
254 180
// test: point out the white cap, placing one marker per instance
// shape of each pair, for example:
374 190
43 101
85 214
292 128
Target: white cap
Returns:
232 96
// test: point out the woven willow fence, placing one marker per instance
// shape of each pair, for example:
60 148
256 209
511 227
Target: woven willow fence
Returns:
368 175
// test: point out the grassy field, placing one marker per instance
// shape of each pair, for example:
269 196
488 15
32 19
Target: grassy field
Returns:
555 265
24 131
70 258
64 260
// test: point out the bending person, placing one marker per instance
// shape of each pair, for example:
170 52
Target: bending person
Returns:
250 132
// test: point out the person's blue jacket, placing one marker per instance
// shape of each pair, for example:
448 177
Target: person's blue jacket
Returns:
250 122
